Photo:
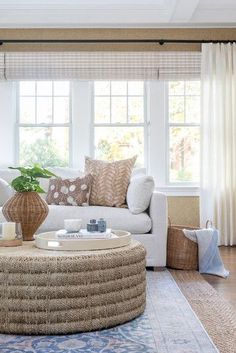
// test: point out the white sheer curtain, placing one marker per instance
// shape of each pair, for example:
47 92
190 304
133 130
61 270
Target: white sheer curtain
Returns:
218 189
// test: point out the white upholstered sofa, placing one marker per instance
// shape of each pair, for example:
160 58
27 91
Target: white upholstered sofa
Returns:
150 227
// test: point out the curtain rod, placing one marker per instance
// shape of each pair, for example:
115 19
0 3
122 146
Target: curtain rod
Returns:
114 41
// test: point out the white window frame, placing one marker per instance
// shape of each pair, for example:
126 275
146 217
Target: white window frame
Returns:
169 125
19 124
144 124
157 97
155 132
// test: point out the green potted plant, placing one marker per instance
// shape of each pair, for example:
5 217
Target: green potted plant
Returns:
26 206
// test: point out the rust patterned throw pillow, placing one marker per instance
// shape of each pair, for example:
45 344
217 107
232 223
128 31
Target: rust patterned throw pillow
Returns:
110 181
69 192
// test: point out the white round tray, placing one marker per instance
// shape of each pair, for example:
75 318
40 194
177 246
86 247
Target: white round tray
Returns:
49 241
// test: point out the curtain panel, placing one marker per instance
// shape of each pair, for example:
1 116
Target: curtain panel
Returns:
101 65
218 135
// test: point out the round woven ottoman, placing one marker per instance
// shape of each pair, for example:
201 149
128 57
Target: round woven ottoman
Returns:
55 292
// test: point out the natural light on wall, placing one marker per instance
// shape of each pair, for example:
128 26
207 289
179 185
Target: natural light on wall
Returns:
119 120
184 131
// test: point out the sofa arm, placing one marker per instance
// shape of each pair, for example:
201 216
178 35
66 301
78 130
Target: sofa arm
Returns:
158 212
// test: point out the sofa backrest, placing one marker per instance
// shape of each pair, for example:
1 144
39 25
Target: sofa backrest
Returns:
9 174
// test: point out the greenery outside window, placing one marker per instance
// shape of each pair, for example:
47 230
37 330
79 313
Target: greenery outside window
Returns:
44 123
119 120
183 132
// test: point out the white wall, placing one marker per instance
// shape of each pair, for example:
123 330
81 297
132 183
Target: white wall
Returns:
7 123
81 121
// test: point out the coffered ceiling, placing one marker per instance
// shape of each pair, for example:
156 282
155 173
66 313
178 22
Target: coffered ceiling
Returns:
117 13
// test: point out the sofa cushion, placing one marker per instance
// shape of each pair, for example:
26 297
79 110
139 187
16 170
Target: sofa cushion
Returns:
61 172
70 192
110 181
117 218
138 172
139 193
9 174
5 191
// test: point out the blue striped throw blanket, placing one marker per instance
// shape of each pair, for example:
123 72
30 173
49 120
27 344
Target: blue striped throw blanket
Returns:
209 259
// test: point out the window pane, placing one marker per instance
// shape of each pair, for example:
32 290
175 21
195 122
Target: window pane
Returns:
192 88
135 88
176 109
61 110
119 88
44 88
135 107
176 88
61 88
102 88
192 113
102 109
47 146
44 110
184 154
27 110
27 88
119 109
115 143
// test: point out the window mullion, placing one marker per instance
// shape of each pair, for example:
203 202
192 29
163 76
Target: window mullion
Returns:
110 103
36 104
184 124
127 103
52 100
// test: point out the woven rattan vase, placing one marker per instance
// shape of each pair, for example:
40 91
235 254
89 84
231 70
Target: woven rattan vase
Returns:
27 208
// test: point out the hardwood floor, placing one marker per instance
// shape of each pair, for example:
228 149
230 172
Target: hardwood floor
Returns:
227 287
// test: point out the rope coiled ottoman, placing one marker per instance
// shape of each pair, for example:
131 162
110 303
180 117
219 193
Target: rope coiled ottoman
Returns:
54 292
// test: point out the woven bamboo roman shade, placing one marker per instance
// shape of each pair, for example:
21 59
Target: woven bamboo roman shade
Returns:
1 66
179 65
101 65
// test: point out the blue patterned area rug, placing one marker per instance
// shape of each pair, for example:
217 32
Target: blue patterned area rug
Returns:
168 325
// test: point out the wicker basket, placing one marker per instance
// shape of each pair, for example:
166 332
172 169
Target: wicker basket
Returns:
28 209
182 253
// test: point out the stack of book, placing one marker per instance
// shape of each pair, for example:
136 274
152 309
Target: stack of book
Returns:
84 234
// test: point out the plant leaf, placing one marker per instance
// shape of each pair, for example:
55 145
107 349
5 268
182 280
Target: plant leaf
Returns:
27 181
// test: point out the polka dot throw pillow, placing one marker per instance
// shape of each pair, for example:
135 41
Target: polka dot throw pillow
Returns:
69 192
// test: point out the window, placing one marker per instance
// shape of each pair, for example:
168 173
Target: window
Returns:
44 122
119 120
184 132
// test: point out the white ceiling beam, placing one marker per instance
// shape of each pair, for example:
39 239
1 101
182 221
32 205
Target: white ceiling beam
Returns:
184 10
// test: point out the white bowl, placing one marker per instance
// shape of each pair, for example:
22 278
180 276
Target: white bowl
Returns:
72 225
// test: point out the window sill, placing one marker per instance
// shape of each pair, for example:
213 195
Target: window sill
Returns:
179 190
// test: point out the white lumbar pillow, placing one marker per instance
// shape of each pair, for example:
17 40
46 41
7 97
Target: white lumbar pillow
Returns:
5 191
139 193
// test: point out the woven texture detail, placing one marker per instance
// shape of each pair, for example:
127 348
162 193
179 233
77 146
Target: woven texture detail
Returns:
104 65
45 292
2 66
27 208
216 314
182 253
110 181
